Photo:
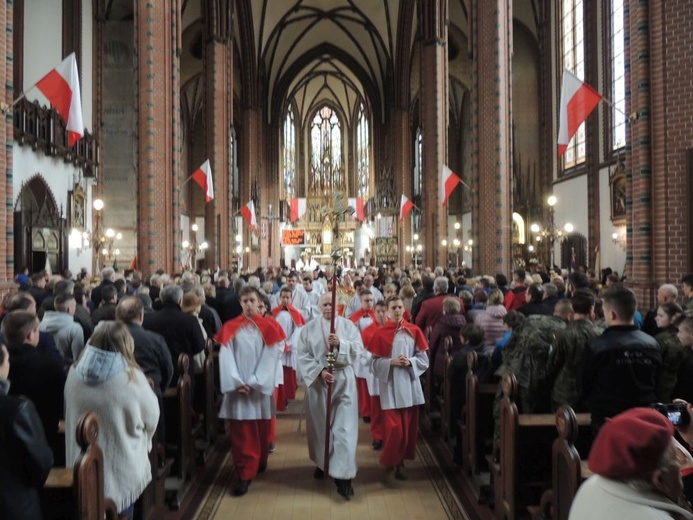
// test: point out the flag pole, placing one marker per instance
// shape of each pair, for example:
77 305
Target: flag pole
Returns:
629 118
4 107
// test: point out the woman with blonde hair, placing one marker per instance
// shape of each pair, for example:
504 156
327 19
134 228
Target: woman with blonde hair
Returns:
107 380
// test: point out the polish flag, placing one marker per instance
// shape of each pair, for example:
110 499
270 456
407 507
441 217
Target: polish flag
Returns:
248 212
357 204
448 183
203 177
405 207
298 209
61 87
578 100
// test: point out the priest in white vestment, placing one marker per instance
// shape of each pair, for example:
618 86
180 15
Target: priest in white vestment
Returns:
250 351
312 362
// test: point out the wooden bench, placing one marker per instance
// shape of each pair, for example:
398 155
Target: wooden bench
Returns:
427 382
180 440
78 492
567 468
208 406
445 395
152 503
524 450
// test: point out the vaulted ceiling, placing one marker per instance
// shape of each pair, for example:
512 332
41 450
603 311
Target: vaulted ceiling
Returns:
339 51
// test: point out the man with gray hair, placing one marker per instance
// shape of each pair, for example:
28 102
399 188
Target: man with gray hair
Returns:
107 274
181 330
667 293
432 309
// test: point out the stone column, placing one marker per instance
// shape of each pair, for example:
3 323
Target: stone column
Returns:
7 137
401 154
639 153
218 73
434 110
492 42
251 150
157 44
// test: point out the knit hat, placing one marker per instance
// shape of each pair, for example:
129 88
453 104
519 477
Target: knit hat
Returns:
631 444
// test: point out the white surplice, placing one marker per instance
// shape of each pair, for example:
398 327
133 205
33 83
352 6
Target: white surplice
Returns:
312 352
289 359
245 360
360 369
400 387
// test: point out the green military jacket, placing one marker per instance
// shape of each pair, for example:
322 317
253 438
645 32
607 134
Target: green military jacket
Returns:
672 355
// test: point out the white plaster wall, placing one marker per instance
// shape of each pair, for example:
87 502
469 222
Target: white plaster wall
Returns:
43 23
42 42
571 207
611 254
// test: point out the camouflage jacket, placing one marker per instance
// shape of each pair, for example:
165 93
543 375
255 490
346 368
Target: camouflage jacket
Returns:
565 363
672 355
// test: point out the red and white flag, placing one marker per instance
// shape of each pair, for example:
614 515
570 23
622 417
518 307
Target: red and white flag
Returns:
359 211
298 209
248 212
203 177
405 207
578 100
61 87
448 184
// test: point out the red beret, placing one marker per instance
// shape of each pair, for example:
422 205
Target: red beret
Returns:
631 444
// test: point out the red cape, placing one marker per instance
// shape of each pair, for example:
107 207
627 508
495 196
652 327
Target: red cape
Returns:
362 314
269 329
296 316
381 343
369 333
406 316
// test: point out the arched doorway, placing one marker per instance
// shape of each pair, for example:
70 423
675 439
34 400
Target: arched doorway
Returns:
574 251
40 229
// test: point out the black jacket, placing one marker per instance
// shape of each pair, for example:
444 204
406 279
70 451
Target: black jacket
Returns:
181 331
39 377
153 357
620 370
25 459
96 292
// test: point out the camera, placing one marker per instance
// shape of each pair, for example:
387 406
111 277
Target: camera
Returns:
676 413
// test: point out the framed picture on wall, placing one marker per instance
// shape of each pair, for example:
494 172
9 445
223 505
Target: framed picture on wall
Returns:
78 208
618 193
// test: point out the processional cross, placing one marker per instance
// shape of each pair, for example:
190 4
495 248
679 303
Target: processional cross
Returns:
338 210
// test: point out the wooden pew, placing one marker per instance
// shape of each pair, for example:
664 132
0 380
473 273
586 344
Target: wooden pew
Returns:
445 395
78 492
567 468
477 427
180 441
152 503
427 383
523 450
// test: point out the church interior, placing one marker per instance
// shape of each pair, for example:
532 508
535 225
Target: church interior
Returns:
292 108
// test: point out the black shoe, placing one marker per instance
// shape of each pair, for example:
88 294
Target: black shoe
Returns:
242 488
367 420
318 473
271 447
262 468
377 445
344 488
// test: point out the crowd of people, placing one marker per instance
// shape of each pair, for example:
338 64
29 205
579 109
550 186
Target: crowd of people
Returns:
71 345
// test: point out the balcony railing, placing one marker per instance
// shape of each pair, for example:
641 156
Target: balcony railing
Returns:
43 129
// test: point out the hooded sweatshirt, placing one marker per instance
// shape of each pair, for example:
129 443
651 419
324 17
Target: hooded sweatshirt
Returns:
128 412
491 320
67 334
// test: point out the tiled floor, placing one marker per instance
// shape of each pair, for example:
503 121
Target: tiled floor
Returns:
287 489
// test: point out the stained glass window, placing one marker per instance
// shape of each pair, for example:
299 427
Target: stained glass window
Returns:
618 76
327 174
572 33
289 155
363 157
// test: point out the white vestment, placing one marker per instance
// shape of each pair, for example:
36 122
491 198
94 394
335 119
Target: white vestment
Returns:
400 387
313 300
291 330
299 299
377 295
245 360
354 305
312 352
361 370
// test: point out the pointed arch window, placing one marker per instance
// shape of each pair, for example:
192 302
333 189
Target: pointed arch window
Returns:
418 164
289 155
363 156
618 76
327 174
573 49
